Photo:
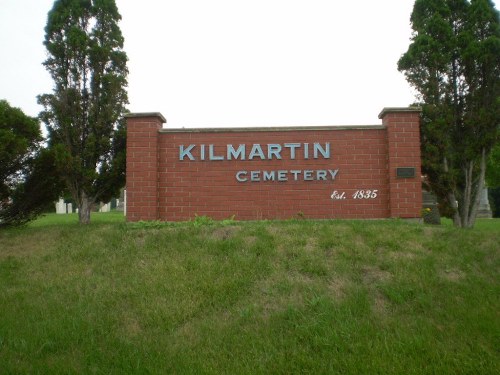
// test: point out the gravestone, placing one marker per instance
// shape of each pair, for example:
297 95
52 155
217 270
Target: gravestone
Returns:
105 207
125 202
120 205
430 212
484 206
60 206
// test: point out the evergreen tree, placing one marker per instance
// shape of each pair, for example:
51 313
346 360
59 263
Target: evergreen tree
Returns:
28 181
83 114
453 62
493 168
20 137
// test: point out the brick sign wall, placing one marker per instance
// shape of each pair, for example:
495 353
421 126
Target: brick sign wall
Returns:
274 173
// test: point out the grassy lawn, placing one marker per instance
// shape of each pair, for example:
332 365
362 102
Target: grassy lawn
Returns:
287 297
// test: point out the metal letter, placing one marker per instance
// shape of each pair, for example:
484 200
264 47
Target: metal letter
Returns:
333 173
323 151
256 151
273 149
321 175
239 153
185 152
296 174
292 147
255 176
241 173
269 175
282 175
202 152
308 175
211 155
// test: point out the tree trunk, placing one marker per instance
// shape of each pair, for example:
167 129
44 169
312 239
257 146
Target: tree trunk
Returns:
478 191
456 214
467 195
452 199
84 208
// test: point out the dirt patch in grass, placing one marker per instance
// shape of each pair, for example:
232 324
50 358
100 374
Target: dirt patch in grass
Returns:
402 255
453 275
250 240
140 241
188 332
372 275
311 244
415 247
279 303
359 242
224 233
131 326
274 230
339 287
27 245
379 303
279 291
492 258
431 231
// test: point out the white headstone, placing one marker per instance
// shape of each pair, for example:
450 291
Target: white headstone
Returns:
484 206
60 206
105 207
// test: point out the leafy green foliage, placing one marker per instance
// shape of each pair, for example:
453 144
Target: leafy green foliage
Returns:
84 113
493 168
28 180
494 198
453 62
19 139
40 188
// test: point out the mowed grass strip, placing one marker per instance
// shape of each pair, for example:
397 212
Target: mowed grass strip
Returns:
346 297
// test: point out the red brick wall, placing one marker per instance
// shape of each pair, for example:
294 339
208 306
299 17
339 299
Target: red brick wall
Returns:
403 138
160 186
142 166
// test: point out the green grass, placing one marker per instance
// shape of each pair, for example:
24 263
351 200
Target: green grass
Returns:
308 297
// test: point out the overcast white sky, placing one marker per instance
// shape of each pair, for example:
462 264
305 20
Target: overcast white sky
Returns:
210 63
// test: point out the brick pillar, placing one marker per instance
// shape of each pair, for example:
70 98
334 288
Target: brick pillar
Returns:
142 165
403 137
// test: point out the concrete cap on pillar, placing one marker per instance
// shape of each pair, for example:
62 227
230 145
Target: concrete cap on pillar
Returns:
146 114
399 109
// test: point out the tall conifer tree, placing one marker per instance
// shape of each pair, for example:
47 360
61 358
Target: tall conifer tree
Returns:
83 114
453 62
